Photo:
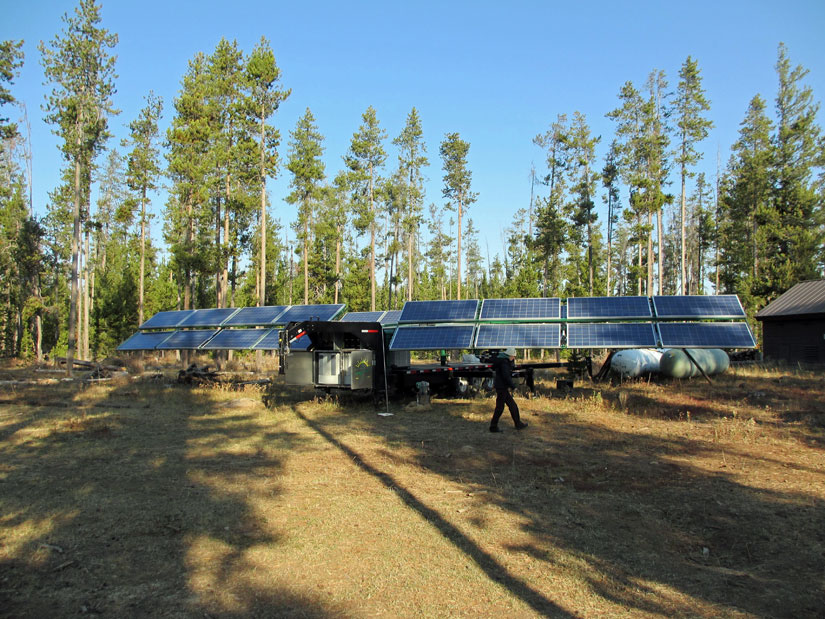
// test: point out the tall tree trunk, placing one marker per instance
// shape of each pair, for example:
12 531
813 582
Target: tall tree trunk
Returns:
661 252
306 261
86 299
682 228
337 261
142 256
226 242
372 244
649 252
458 274
262 283
410 238
72 332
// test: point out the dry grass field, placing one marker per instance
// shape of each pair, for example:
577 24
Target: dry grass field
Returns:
140 497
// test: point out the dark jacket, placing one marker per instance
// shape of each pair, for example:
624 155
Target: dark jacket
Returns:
503 373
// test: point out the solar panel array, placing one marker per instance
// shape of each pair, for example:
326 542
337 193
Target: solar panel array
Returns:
581 322
439 311
436 337
603 308
699 306
518 336
521 309
611 335
706 335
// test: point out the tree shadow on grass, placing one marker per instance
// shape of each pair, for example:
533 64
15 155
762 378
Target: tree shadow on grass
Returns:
658 534
111 508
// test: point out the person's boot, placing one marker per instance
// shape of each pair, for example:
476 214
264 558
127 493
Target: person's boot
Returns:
521 425
495 429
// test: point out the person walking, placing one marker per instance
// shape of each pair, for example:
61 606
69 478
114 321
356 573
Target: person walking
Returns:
503 366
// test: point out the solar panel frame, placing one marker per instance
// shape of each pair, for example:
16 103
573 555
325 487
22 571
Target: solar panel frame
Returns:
363 316
435 337
523 309
611 335
439 311
235 339
698 306
187 340
213 317
255 316
706 335
521 335
618 308
144 340
166 319
298 313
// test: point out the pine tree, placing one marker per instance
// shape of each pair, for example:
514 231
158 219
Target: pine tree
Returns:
11 59
412 159
142 174
365 158
265 97
82 71
583 183
689 106
305 150
188 221
457 181
795 242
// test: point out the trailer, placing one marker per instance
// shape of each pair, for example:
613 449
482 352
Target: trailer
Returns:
355 356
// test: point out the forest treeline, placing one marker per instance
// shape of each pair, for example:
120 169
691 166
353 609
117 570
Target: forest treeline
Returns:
79 279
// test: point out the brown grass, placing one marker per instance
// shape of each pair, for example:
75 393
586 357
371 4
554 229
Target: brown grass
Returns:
148 499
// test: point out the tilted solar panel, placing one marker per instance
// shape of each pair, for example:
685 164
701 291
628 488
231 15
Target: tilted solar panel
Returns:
519 336
208 317
699 306
186 340
297 313
166 320
363 316
706 335
439 311
390 317
521 309
145 341
235 339
608 307
270 341
255 316
440 337
611 335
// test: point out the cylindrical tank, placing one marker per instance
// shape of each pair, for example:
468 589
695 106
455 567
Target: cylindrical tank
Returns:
676 363
635 362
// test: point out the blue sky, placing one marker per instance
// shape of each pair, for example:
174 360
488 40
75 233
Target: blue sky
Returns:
498 73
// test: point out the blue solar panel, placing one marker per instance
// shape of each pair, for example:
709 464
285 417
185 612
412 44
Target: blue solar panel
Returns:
165 320
699 306
235 339
208 317
441 337
390 317
297 313
185 340
439 311
608 307
145 341
519 336
521 309
270 341
611 335
706 335
255 316
363 317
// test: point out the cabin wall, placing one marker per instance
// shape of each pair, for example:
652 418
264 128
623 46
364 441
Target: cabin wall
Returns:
794 340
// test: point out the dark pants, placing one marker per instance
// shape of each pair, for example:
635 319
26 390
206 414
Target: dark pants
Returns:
503 397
